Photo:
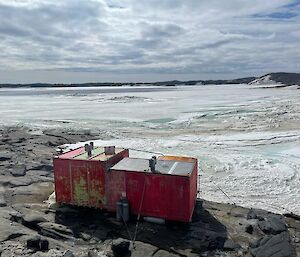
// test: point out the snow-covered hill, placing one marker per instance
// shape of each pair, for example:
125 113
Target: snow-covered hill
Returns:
277 79
264 80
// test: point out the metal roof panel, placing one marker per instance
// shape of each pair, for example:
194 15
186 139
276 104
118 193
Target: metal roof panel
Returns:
170 167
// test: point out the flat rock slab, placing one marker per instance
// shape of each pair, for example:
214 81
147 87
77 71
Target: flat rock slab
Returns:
143 250
7 213
10 230
18 171
274 246
33 219
163 253
21 181
56 231
33 193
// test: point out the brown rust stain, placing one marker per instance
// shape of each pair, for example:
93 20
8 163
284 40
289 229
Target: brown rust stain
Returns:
96 192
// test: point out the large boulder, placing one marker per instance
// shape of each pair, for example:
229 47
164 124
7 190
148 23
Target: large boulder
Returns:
272 225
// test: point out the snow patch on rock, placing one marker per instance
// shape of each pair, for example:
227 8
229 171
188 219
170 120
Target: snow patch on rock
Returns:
264 81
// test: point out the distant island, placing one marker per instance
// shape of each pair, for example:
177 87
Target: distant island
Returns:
281 79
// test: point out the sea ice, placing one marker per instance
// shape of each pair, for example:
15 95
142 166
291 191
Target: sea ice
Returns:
247 139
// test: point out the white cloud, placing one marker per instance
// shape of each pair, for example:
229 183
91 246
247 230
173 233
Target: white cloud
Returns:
193 38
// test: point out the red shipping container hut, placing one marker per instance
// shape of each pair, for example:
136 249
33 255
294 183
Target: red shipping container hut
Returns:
99 180
80 178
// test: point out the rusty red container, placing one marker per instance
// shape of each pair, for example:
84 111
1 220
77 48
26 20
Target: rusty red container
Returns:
169 193
80 179
100 180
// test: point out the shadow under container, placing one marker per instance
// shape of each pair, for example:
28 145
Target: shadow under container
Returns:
80 178
169 193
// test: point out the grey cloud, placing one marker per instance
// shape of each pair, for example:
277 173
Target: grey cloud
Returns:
61 21
154 36
165 4
147 37
49 29
160 30
148 43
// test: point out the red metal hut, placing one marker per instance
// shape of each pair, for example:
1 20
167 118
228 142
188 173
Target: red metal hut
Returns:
164 188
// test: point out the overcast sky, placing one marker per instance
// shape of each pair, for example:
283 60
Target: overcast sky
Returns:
146 40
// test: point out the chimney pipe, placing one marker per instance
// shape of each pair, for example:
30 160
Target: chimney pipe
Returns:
152 163
92 145
88 149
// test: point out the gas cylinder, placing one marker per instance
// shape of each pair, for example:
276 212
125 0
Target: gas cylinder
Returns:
125 209
119 210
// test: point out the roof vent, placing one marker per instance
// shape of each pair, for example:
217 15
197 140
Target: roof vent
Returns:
109 150
92 145
88 148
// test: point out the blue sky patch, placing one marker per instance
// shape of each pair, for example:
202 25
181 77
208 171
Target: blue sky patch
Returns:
282 15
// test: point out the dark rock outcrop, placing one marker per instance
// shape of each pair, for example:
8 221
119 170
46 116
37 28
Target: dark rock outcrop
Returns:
272 225
256 214
274 246
120 248
38 243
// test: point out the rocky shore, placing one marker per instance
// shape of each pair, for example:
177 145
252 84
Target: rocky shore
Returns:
30 227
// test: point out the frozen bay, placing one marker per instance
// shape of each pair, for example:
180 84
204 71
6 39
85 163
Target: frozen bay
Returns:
247 138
